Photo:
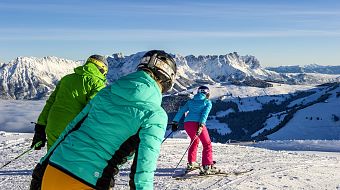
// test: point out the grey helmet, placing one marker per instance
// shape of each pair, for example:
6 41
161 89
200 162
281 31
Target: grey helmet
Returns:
100 61
162 65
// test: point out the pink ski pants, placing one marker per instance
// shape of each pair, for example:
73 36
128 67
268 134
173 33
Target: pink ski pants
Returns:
191 129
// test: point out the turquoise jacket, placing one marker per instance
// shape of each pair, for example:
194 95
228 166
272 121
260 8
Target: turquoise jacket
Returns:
116 113
198 107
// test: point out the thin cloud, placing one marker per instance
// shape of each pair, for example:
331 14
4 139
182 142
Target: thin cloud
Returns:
213 10
152 35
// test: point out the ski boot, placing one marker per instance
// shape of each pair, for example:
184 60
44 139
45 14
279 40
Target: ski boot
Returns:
209 170
192 166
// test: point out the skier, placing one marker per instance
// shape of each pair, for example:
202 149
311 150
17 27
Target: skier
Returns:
197 111
123 118
70 96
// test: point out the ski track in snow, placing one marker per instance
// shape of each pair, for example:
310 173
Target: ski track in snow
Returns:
272 170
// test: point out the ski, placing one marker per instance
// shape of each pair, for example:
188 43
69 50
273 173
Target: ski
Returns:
223 174
184 173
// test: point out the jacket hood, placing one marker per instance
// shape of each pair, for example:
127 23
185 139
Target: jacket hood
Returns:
138 87
199 96
89 69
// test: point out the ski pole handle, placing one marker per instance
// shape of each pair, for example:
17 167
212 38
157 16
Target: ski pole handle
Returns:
37 144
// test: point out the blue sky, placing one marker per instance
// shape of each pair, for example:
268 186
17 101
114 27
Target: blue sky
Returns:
277 32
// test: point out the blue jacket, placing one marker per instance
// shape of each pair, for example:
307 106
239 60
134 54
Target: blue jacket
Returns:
198 107
116 113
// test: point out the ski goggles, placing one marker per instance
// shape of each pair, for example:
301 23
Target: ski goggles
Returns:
101 66
203 91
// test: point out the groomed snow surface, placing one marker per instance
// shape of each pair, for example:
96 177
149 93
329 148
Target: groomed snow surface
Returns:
272 169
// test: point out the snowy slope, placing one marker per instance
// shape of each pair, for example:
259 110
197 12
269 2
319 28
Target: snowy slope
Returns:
292 97
311 120
272 170
16 115
229 92
271 122
316 120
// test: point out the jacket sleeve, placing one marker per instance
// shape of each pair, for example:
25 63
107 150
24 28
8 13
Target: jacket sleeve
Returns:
181 111
205 112
42 120
151 136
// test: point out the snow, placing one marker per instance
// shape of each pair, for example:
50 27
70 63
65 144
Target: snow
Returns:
272 169
221 128
224 113
17 114
223 90
301 145
276 164
313 122
310 98
271 123
35 78
247 104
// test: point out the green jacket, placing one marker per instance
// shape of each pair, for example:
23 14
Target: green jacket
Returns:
70 96
129 105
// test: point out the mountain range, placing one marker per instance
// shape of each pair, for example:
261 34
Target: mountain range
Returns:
312 68
35 78
249 102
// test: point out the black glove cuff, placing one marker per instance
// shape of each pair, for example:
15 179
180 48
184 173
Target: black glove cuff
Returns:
174 127
39 128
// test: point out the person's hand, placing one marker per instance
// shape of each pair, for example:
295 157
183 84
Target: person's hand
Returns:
199 130
39 136
174 126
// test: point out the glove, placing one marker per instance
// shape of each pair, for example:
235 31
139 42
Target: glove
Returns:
39 135
112 182
174 126
199 130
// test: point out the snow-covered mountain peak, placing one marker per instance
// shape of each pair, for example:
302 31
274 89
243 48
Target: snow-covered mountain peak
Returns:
31 77
229 66
49 64
118 55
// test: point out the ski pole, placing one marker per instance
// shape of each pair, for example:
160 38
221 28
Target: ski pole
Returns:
169 124
192 142
26 151
167 136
